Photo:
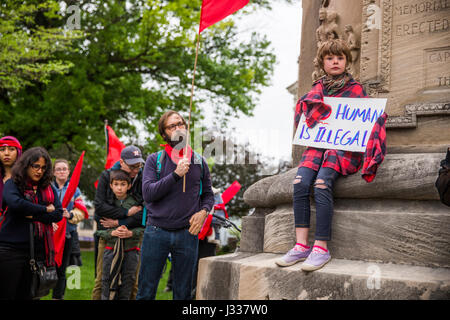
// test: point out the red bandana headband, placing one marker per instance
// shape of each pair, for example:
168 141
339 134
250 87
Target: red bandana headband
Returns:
10 143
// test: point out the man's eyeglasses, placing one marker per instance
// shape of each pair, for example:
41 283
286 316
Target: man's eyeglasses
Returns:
173 126
134 167
37 167
61 169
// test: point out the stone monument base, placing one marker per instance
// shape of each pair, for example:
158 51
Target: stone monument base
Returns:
244 276
390 240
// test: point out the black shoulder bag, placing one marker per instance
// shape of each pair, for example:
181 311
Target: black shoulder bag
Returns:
43 278
443 184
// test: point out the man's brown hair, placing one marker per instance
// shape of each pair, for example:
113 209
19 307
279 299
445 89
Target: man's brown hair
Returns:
162 123
336 47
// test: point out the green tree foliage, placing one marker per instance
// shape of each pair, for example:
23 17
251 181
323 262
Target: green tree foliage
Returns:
134 62
27 48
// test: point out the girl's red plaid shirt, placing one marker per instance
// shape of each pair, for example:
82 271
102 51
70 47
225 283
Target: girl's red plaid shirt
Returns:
344 162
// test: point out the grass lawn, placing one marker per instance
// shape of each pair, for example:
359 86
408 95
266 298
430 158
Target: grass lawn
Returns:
82 290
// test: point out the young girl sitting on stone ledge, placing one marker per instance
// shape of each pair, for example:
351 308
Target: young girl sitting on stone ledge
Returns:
321 167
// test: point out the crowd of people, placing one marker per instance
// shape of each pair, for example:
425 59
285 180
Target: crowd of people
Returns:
149 210
144 214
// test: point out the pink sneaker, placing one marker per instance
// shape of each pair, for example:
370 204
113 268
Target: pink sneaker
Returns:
292 257
316 260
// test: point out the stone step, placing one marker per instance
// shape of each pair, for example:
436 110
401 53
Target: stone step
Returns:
401 176
243 276
389 231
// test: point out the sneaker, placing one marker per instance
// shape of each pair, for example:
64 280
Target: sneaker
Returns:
316 260
292 257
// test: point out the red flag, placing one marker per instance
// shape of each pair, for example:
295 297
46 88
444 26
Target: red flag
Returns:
59 236
230 192
115 146
206 230
215 10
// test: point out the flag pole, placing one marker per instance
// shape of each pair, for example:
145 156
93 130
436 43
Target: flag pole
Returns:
106 137
190 107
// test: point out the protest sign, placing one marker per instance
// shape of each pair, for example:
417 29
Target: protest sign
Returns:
348 127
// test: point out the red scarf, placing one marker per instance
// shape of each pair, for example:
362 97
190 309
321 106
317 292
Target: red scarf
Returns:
176 155
41 230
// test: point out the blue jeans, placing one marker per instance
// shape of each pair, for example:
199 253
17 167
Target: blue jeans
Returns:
156 246
323 198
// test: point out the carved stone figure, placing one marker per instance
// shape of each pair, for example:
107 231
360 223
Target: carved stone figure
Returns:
321 32
353 45
331 26
327 30
318 72
373 17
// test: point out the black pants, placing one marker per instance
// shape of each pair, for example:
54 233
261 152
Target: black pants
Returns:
128 274
58 292
75 257
15 273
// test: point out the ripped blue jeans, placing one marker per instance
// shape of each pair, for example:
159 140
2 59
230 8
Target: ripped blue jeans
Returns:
323 196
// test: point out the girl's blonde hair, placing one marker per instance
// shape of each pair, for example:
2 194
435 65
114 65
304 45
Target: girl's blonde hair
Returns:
336 47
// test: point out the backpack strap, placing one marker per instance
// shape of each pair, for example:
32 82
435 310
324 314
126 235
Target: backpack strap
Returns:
159 160
144 216
200 159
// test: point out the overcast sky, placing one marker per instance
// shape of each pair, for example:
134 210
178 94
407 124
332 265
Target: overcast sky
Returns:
271 126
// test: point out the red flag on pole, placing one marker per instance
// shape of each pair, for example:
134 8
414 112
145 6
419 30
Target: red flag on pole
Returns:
115 147
230 192
215 10
59 236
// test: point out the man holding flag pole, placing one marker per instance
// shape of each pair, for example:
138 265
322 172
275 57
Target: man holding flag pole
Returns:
176 211
174 217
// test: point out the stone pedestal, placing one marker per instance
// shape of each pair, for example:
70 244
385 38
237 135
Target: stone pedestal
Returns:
255 277
390 240
252 236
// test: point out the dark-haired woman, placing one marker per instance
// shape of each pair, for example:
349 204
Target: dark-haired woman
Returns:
31 200
10 151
